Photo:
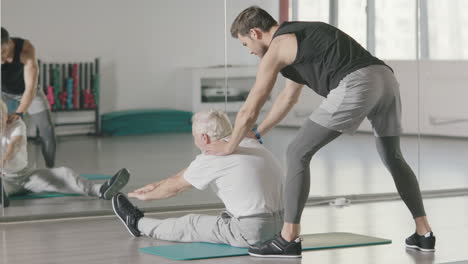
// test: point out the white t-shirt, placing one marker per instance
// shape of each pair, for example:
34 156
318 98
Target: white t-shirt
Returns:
18 161
249 181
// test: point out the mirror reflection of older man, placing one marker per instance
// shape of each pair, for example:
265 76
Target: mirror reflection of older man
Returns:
19 178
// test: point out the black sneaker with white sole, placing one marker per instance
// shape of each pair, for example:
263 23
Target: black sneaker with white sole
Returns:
424 243
127 213
278 248
114 184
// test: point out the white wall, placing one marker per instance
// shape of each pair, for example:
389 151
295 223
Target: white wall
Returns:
437 107
143 44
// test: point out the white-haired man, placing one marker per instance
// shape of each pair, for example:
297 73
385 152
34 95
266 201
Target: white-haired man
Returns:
17 177
249 183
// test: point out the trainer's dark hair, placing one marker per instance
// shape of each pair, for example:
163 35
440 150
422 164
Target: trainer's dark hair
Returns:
5 36
252 17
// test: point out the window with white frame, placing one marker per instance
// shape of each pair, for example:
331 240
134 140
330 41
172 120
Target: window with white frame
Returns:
395 29
447 29
351 19
317 10
389 29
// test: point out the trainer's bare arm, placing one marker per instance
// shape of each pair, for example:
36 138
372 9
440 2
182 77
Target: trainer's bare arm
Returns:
31 72
282 52
163 189
285 100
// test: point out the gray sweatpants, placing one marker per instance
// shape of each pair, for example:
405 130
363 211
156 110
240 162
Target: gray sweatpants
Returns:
222 229
311 138
62 179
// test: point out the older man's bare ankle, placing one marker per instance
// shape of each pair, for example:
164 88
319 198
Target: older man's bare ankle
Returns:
290 231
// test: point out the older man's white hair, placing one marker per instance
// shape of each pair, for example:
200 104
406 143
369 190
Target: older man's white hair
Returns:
214 123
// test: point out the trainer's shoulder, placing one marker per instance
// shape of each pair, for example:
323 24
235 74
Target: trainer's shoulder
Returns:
28 52
284 39
284 47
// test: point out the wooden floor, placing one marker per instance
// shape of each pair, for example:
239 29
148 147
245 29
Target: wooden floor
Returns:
105 240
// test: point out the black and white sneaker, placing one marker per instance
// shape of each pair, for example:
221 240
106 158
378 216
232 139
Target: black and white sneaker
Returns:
424 243
3 197
127 213
278 248
114 184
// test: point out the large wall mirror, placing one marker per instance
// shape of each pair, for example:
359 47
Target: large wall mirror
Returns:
148 54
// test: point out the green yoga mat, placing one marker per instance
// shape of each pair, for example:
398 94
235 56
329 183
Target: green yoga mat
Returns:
191 251
92 177
146 121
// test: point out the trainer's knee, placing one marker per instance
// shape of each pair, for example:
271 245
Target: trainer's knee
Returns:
297 152
392 157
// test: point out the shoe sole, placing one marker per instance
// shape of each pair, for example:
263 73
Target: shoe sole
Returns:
274 256
121 180
420 249
120 218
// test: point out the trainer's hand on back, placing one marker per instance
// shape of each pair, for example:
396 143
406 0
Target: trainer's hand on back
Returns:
251 134
12 118
217 148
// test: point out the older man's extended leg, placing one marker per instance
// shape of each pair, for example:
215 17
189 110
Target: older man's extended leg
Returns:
222 229
193 228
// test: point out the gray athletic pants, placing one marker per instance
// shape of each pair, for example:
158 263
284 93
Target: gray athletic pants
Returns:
63 180
41 117
222 229
310 138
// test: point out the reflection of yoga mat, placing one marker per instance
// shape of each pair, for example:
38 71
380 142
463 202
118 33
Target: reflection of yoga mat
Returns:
26 196
456 262
146 121
190 251
95 177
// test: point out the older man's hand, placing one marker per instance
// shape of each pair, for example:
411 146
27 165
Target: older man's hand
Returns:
218 148
143 193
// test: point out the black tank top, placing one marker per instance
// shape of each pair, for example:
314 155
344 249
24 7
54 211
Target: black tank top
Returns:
325 55
12 73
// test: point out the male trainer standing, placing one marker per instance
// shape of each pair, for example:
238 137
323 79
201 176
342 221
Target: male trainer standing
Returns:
19 85
355 85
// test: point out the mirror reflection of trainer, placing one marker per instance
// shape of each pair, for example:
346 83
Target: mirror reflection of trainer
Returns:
17 178
19 84
355 85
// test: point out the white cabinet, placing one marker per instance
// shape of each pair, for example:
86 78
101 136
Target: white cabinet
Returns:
209 87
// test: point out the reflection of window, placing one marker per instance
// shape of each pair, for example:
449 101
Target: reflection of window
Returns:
447 29
395 29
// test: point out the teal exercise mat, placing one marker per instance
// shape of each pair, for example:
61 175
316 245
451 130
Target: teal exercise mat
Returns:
191 251
92 177
146 121
95 177
142 112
